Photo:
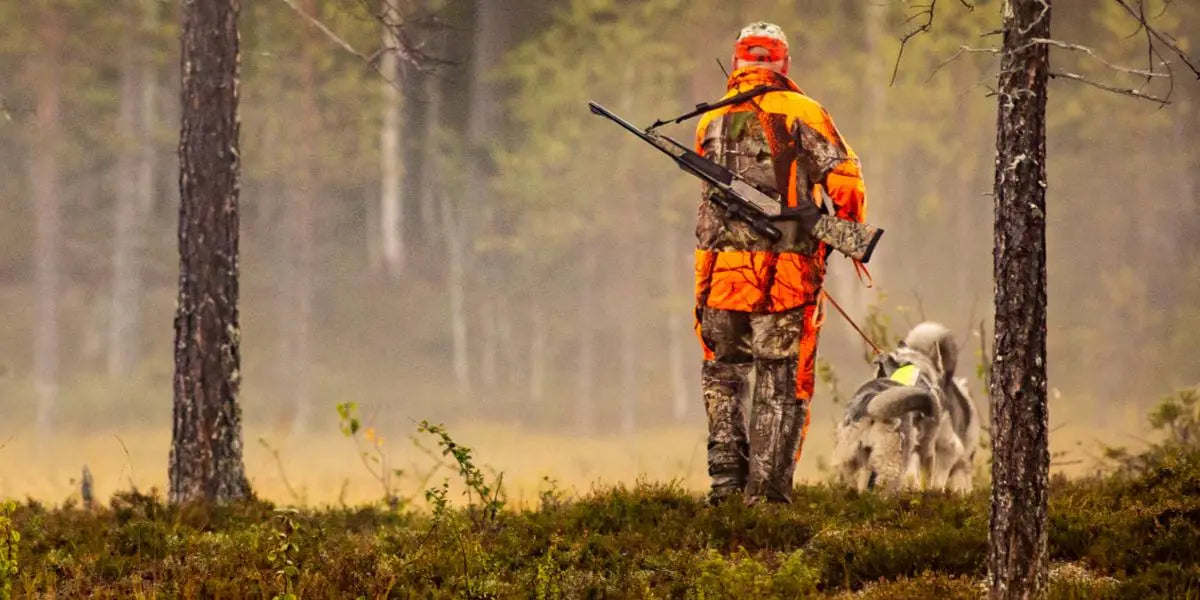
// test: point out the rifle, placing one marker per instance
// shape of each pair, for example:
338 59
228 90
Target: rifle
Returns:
757 208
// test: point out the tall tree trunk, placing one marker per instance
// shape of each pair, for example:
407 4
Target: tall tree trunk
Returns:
489 340
452 233
537 350
43 172
676 323
134 187
1020 457
301 243
391 210
491 39
427 191
629 319
585 370
206 447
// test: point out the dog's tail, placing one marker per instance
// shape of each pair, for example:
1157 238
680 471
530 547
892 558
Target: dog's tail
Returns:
895 402
937 342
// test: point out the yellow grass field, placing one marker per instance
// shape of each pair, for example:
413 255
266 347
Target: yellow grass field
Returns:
326 468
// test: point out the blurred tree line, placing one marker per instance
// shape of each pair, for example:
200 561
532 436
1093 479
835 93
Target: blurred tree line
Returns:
466 240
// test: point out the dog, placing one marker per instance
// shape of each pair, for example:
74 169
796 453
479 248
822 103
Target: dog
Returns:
913 421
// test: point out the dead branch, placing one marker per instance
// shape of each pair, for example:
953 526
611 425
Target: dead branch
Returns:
1109 88
1162 38
328 32
927 11
1093 54
964 49
401 24
397 24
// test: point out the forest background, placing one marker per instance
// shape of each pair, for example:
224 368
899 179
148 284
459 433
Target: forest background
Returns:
533 288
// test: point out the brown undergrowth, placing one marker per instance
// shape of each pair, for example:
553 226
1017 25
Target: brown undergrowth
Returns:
1133 532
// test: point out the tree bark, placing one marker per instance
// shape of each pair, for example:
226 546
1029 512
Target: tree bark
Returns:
1021 460
43 172
206 449
391 209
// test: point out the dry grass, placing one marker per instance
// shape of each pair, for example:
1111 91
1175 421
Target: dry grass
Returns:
324 468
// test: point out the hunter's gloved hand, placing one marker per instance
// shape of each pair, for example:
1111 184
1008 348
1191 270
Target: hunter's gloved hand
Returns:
807 214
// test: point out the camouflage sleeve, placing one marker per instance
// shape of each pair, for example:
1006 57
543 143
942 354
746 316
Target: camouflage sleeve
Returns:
833 164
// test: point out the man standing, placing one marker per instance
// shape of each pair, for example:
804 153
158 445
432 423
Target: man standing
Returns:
756 300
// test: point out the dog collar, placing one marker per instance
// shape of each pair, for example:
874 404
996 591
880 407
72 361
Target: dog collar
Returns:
906 375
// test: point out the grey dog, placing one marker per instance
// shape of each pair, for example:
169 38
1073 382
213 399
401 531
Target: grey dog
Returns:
914 421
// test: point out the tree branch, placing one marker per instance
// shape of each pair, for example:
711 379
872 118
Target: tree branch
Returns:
1162 38
1106 87
392 18
927 12
964 49
1092 53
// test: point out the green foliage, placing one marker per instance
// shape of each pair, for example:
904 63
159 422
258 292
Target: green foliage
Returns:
374 457
1177 414
1111 537
282 554
489 498
9 540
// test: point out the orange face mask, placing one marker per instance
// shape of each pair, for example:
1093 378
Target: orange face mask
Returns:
776 49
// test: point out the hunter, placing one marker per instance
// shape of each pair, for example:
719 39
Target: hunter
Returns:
757 301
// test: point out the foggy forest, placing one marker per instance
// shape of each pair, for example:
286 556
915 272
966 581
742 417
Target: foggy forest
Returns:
440 247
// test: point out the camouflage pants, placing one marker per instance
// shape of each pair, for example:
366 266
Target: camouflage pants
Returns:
779 349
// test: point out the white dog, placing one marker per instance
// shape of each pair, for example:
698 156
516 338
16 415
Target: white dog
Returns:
913 419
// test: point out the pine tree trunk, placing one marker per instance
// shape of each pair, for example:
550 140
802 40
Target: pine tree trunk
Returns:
452 233
537 351
206 448
676 325
43 170
629 305
300 286
489 340
134 180
391 210
585 370
429 149
1017 550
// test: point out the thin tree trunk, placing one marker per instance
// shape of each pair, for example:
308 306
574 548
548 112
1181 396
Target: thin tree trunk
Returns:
489 46
507 341
206 448
302 231
488 344
43 170
537 351
1020 458
585 371
676 325
452 233
431 145
628 346
134 184
391 209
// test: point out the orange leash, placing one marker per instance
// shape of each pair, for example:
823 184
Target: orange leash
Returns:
873 345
